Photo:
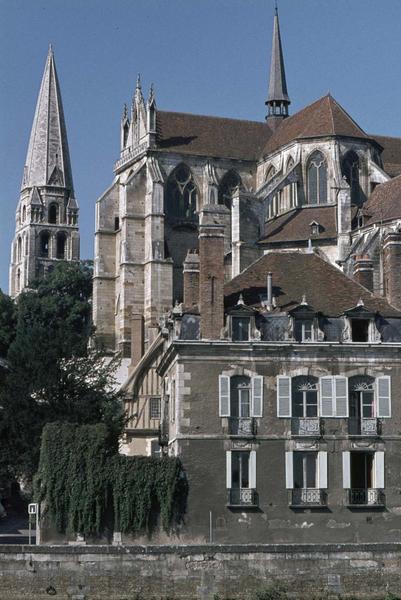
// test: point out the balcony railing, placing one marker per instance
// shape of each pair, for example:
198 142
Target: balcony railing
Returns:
357 426
242 426
242 497
308 497
366 497
306 426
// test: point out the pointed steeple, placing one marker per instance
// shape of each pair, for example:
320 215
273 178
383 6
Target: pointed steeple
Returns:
277 99
48 158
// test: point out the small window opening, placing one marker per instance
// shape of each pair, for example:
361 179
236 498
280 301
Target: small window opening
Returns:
360 330
304 330
116 223
240 329
154 408
44 244
240 470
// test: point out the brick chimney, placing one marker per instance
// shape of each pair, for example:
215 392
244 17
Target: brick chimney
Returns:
363 271
211 278
392 267
191 279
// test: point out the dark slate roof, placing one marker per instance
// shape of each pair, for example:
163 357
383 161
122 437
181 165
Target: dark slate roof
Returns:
211 136
327 289
384 203
325 117
277 81
295 225
391 154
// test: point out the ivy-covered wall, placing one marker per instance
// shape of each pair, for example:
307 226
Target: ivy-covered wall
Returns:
85 487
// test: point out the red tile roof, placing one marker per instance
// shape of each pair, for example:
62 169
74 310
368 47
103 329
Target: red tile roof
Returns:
295 225
391 154
327 289
384 204
211 136
325 117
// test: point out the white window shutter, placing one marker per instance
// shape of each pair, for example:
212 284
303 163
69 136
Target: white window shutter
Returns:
379 470
346 470
283 396
341 396
252 469
257 396
383 394
289 471
228 469
322 481
326 397
224 396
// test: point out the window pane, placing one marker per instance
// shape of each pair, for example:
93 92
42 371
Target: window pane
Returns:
244 469
235 470
367 404
298 469
240 327
298 404
310 469
322 184
311 404
244 403
312 184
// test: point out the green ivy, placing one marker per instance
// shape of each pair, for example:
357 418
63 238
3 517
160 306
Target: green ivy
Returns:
81 482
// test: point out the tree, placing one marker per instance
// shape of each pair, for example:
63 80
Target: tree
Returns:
53 375
7 323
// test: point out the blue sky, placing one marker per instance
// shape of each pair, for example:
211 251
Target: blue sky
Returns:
204 56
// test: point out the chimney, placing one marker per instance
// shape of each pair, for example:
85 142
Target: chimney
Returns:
363 271
211 277
137 339
191 279
269 301
392 267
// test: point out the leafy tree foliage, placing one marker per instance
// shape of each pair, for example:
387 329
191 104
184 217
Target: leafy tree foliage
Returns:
53 374
7 323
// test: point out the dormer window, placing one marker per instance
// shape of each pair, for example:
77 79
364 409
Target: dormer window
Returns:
240 327
314 228
305 322
361 326
241 322
360 330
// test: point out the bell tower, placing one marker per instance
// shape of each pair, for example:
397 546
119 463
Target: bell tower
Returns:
278 99
46 229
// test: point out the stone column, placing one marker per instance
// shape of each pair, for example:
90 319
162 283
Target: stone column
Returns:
191 279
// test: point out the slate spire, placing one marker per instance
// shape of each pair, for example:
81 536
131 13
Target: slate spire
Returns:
48 158
277 98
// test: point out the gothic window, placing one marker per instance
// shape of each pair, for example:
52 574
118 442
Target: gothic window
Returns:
23 214
53 213
317 179
61 241
291 188
181 195
270 172
26 245
228 185
44 243
18 280
350 169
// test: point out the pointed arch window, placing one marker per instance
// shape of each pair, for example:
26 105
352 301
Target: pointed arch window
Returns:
317 179
53 213
18 280
229 183
19 249
350 170
23 213
181 196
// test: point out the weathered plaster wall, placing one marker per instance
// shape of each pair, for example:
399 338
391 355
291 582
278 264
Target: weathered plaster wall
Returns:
365 571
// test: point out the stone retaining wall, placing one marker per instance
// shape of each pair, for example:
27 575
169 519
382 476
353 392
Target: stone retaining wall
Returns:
204 572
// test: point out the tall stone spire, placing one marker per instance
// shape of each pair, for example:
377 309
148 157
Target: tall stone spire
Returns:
48 158
46 230
277 99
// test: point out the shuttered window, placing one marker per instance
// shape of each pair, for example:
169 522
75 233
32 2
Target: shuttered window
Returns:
257 396
322 470
252 469
383 394
326 397
228 469
333 396
346 470
289 471
340 397
283 396
224 396
379 470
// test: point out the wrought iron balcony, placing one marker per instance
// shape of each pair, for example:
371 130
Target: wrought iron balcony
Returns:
308 497
242 426
357 426
242 497
366 497
306 426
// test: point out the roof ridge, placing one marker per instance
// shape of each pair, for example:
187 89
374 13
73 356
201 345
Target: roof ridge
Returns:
348 115
175 112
